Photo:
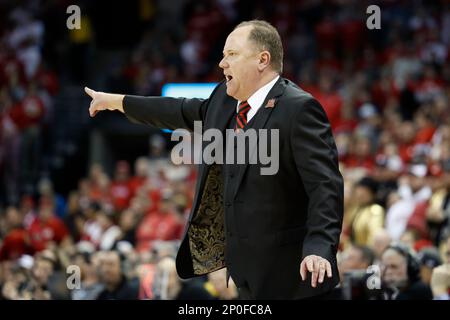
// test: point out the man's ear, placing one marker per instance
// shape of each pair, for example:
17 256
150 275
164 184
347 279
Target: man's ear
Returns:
264 60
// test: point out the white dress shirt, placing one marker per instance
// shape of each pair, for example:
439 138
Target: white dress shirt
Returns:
257 99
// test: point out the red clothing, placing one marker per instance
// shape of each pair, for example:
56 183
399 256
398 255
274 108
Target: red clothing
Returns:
146 281
43 232
28 112
425 135
332 105
366 162
326 34
49 80
157 226
15 244
137 182
351 34
418 219
121 194
406 152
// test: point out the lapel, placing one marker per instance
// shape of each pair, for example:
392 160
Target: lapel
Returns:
259 122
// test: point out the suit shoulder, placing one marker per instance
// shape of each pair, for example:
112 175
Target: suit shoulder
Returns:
219 89
295 97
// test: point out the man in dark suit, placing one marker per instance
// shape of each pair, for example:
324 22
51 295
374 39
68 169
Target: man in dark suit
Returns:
276 234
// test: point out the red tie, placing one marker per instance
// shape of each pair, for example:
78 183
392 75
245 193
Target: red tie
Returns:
241 117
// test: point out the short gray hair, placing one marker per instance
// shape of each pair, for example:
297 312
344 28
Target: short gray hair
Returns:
266 37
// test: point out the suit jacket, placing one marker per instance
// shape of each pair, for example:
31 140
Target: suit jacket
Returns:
260 226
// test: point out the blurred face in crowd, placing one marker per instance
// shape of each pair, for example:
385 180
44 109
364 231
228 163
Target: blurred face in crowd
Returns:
122 171
95 171
394 269
380 242
353 259
343 142
45 211
415 182
73 203
127 220
363 195
13 217
406 132
110 268
166 273
409 238
79 261
325 82
104 220
141 167
26 204
242 65
362 148
42 270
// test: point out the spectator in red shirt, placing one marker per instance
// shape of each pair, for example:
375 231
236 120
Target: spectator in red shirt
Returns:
330 99
425 128
27 115
30 111
159 225
16 241
406 133
327 33
120 187
141 168
46 227
361 154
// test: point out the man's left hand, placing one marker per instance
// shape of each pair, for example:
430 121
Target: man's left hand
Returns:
318 266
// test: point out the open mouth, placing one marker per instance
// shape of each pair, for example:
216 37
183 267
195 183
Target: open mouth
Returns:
228 77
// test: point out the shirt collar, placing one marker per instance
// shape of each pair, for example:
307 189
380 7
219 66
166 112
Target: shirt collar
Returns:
256 100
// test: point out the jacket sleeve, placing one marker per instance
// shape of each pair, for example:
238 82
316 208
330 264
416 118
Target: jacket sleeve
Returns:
164 112
316 159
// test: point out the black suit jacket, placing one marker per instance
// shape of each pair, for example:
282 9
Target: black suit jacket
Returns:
260 226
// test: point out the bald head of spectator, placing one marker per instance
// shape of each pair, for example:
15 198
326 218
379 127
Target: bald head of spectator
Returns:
380 242
46 208
122 171
13 218
356 257
43 267
394 268
110 269
141 167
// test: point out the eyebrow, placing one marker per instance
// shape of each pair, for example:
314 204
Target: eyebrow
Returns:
228 51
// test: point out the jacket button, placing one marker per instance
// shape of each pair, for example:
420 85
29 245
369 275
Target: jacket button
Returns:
228 204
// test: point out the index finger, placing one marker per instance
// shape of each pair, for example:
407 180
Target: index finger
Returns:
89 91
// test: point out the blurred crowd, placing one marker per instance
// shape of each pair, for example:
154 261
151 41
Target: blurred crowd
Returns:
386 93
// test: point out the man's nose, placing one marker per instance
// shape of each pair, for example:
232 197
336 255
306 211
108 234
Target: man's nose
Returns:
223 64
